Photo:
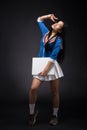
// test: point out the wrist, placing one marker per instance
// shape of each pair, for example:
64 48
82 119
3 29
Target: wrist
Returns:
49 16
45 70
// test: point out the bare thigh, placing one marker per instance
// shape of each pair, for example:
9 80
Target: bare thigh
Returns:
54 86
35 84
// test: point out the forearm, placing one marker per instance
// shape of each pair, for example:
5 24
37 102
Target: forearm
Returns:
49 16
44 17
46 69
48 66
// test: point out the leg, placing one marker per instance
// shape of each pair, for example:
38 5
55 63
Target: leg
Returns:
32 100
33 90
54 85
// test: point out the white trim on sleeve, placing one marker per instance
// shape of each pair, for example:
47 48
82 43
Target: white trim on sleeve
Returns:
39 20
52 60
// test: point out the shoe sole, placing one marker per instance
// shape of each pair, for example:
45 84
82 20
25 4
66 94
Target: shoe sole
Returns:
53 124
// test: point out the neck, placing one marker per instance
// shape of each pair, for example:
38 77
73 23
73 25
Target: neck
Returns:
53 33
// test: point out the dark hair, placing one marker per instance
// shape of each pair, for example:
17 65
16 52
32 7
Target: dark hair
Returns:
61 54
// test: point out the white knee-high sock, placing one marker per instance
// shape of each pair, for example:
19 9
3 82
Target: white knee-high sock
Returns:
31 108
55 111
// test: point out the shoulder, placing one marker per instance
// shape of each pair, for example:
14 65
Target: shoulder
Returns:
59 39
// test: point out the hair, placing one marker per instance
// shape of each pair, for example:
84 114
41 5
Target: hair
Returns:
61 54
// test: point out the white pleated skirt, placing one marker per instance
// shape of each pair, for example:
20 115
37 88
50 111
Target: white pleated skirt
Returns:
57 74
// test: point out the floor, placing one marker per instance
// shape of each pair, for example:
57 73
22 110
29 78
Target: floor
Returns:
72 116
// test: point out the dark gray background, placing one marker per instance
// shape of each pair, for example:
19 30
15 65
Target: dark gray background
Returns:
19 42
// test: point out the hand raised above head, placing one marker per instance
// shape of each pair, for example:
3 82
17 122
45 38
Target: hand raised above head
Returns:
53 17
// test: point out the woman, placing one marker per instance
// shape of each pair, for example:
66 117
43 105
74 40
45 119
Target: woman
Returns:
50 46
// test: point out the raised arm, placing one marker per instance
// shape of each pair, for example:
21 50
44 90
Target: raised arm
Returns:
42 26
49 16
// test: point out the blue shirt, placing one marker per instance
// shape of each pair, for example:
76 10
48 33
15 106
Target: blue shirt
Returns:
54 47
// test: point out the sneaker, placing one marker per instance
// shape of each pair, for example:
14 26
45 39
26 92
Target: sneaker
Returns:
32 118
54 120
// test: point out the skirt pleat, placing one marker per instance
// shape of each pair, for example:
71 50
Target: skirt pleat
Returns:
57 74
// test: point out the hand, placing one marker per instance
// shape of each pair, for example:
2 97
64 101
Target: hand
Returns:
53 17
43 73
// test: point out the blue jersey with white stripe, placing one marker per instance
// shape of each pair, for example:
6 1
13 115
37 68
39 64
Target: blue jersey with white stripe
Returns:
54 46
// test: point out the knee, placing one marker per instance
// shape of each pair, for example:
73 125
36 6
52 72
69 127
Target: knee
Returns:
54 93
33 90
